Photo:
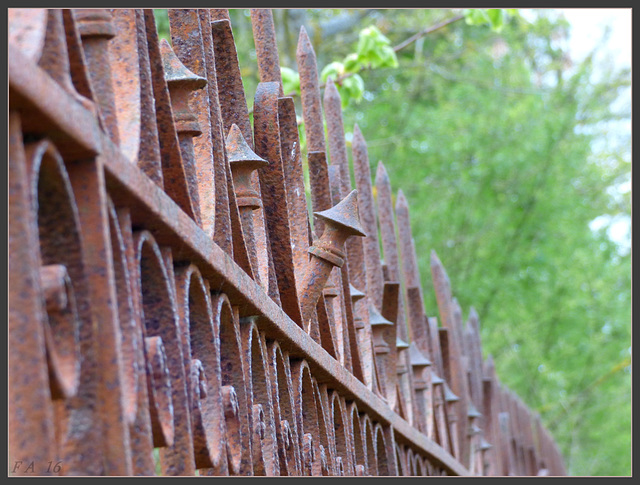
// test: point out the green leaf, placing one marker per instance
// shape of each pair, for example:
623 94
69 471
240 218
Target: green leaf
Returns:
351 63
496 18
333 70
476 16
354 87
388 57
374 49
290 80
366 44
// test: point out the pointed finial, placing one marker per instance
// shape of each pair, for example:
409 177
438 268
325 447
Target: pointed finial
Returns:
402 202
331 91
335 132
472 412
449 396
436 379
345 214
341 222
175 72
355 293
310 96
416 357
436 264
401 344
484 445
376 319
304 43
243 161
358 141
474 321
473 314
489 362
456 305
381 174
181 83
303 34
378 322
239 152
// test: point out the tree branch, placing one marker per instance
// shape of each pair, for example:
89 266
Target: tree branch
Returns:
426 31
343 22
400 46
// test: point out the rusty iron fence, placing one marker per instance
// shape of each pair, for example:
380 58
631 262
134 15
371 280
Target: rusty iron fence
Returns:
173 307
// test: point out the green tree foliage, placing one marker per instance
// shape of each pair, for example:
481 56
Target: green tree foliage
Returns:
507 151
494 139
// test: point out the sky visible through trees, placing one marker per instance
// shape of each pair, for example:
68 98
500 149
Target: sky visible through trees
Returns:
515 159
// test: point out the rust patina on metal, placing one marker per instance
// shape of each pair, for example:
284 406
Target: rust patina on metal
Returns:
168 289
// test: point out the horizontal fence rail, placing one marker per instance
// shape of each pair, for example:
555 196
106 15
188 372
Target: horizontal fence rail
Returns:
172 307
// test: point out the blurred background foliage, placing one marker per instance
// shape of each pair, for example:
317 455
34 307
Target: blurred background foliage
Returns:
507 151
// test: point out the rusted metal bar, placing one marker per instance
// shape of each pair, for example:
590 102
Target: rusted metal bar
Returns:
508 431
221 174
335 129
441 422
421 385
96 28
491 410
379 327
340 179
129 303
451 319
148 146
451 406
341 222
31 432
294 184
188 43
87 180
244 162
182 82
409 271
173 174
338 151
233 109
264 36
314 129
386 219
363 335
310 94
367 208
61 243
233 105
440 419
390 302
274 195
77 63
474 352
77 133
